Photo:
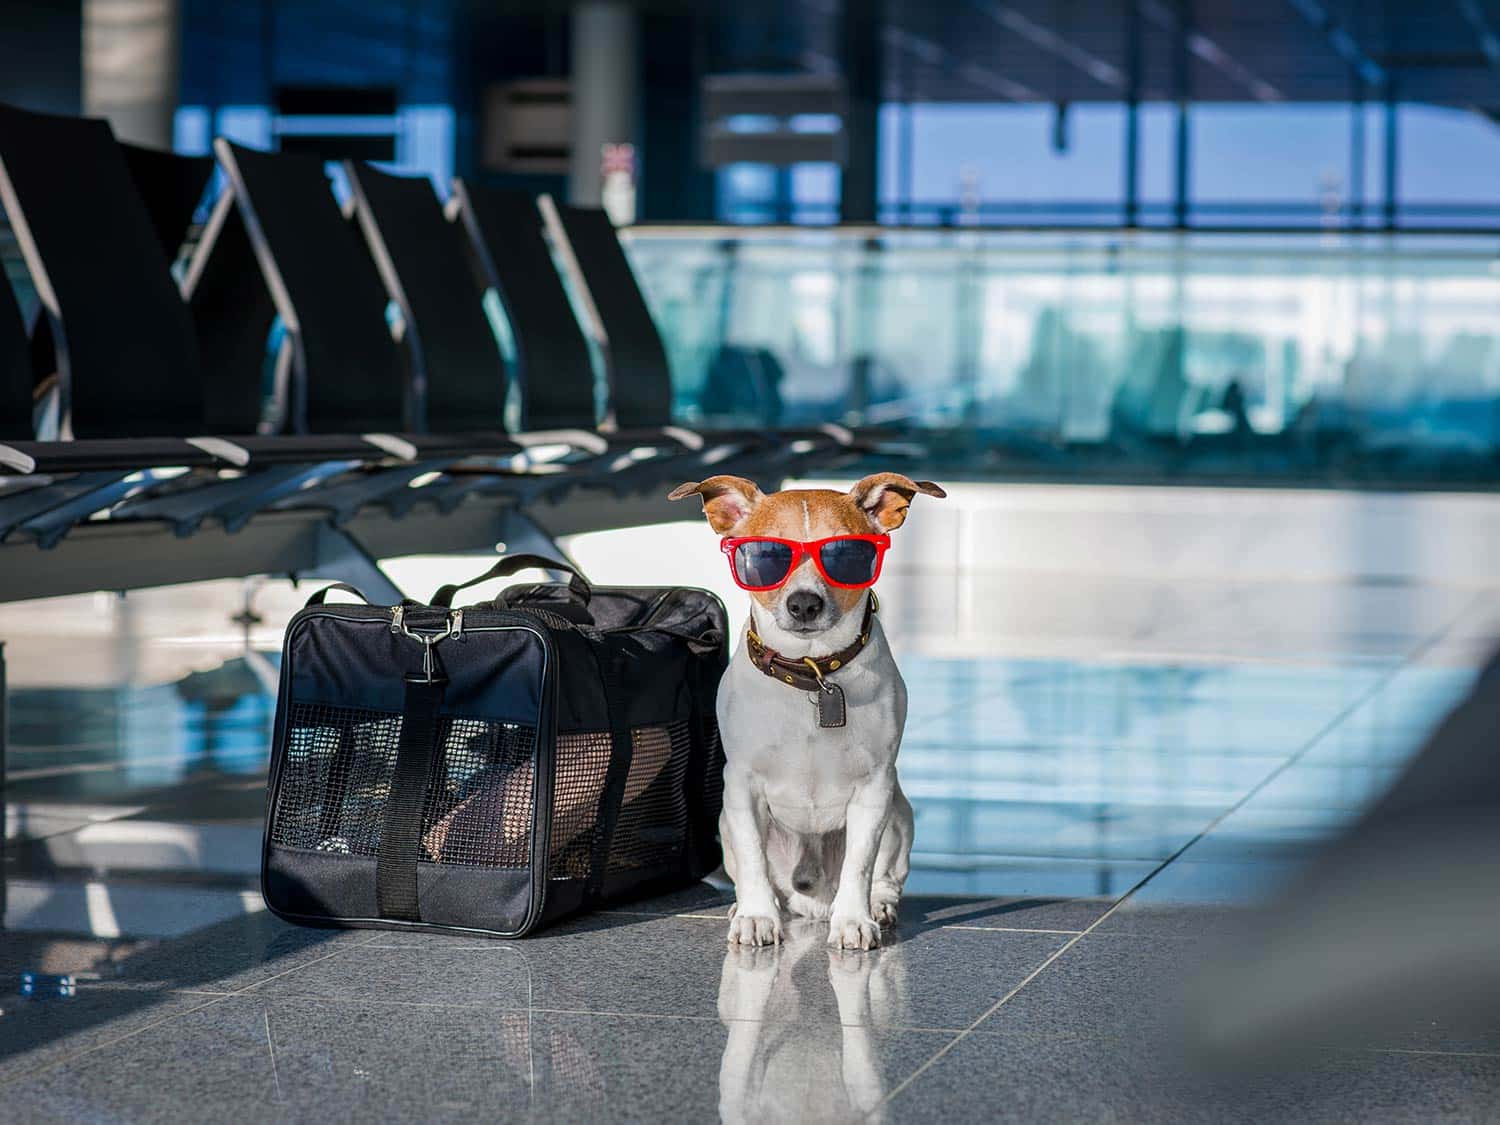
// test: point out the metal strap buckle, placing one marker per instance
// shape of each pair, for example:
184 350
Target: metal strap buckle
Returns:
451 627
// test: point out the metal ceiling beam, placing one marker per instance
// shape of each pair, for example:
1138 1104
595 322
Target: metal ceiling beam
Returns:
1489 42
932 54
1342 43
1100 70
1206 49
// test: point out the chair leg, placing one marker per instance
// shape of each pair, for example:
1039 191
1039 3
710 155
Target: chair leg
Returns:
342 558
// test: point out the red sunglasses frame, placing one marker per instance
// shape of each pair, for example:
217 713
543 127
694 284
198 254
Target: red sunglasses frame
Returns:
811 549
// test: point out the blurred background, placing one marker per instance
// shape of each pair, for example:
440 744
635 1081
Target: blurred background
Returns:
1077 238
1194 307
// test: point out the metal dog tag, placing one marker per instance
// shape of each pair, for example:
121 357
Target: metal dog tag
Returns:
831 709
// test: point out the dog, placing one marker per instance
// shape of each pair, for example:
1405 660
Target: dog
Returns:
814 819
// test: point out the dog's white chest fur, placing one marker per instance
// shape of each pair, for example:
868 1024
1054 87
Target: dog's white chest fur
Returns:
807 774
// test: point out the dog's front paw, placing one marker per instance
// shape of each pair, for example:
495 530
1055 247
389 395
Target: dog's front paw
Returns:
849 931
746 928
884 912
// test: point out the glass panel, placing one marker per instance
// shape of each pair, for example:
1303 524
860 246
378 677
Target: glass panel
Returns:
1331 358
1272 165
1435 187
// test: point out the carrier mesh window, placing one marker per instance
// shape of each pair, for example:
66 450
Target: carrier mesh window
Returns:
582 764
336 775
713 775
478 806
652 826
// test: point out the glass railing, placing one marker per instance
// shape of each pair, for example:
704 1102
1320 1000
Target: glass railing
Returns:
1112 355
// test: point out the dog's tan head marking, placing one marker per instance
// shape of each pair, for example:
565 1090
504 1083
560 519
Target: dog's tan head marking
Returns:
736 506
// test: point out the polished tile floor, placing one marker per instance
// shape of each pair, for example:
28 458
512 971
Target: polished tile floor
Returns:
1106 773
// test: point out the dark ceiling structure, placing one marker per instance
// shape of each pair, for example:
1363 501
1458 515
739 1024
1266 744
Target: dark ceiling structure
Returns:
1445 52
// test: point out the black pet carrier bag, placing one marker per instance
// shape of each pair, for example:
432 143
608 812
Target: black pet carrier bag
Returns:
492 768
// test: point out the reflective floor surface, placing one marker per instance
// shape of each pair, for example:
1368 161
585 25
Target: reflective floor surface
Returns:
1122 769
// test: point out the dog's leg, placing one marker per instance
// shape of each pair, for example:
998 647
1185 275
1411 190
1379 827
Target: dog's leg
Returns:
850 925
757 918
744 991
893 862
850 977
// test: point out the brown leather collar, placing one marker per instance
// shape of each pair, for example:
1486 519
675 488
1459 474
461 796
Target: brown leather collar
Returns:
807 673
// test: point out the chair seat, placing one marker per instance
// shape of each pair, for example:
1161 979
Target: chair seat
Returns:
126 455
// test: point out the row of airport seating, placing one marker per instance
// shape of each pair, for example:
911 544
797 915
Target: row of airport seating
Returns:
272 375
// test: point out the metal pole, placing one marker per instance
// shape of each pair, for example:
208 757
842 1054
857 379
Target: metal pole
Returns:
1391 157
1180 91
1133 116
1357 155
132 53
605 88
862 58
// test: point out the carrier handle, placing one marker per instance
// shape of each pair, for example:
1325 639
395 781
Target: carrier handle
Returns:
322 595
507 566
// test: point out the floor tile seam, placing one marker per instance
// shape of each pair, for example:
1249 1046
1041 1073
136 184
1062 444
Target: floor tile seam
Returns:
1317 1049
925 926
114 1041
692 915
1236 596
492 1004
1369 693
1420 1052
216 998
1001 929
938 1055
1476 600
338 952
616 1014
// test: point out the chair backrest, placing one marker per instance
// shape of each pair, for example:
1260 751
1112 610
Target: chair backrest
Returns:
171 186
348 376
15 368
125 344
553 366
640 376
425 263
233 315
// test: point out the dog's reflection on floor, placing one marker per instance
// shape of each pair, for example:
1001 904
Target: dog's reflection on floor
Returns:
801 1020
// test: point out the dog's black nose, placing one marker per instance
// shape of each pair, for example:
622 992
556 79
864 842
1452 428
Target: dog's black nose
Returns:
804 605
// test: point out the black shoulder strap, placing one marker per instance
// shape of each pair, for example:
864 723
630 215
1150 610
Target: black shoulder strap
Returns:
508 566
401 830
622 755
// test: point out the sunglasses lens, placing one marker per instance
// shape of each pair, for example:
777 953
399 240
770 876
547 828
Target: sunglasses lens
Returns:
762 563
850 562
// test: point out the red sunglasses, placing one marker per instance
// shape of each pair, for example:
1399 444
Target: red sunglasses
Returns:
761 562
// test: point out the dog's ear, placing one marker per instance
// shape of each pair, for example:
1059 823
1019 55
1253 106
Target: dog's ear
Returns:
726 500
885 497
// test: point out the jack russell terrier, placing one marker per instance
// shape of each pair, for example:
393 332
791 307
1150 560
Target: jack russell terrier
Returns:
811 709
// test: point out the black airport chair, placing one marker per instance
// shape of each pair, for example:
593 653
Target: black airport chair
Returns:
345 369
432 273
636 356
16 381
172 187
553 365
552 361
133 396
